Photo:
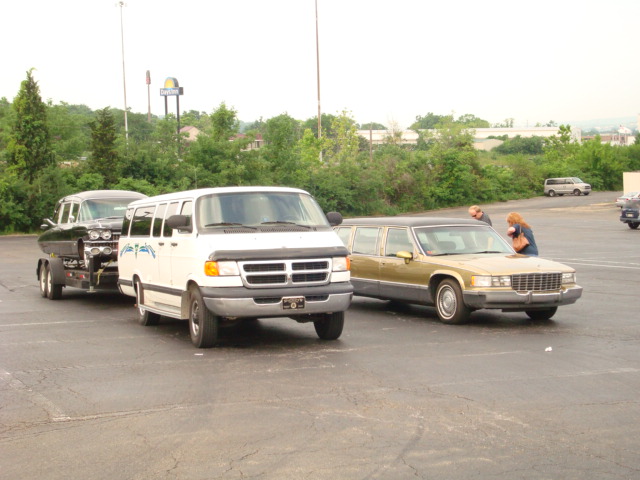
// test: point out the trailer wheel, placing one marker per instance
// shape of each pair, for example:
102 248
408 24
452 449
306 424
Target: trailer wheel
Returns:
54 290
42 279
145 317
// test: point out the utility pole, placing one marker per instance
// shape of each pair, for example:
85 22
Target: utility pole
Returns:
318 72
124 79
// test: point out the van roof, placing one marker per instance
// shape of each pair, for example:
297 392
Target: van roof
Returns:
209 191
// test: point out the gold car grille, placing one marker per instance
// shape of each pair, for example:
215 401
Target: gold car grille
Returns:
536 282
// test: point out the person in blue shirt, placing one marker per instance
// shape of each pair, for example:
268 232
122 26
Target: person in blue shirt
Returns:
517 225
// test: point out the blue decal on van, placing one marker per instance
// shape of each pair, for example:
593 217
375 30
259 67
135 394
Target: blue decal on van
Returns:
137 248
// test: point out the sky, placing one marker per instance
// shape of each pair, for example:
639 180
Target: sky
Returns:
380 61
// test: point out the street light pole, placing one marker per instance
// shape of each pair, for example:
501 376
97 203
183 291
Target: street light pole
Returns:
124 79
318 72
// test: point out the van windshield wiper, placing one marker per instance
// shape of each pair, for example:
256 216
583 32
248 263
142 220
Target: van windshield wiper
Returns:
282 222
228 224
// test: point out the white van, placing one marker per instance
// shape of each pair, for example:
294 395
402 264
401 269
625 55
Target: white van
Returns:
231 253
568 185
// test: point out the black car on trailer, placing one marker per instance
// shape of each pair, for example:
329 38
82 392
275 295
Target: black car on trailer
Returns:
81 241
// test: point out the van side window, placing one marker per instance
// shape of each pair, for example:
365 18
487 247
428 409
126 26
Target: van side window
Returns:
187 211
156 229
366 240
128 215
141 223
172 210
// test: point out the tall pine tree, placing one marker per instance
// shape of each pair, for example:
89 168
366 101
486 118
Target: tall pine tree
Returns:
104 157
29 149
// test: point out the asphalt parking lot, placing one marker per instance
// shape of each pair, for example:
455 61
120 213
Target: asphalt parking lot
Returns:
88 393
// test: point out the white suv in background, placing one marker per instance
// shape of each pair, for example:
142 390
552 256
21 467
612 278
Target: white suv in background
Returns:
568 185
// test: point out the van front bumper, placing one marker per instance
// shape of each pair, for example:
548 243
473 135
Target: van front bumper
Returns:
520 301
267 302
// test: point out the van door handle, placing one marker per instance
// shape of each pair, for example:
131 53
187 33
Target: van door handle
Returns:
174 244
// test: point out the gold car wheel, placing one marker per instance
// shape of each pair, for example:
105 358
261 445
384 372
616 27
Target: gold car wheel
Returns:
449 303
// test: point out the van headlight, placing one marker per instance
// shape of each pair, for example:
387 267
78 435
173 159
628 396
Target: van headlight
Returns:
569 277
220 269
341 264
491 281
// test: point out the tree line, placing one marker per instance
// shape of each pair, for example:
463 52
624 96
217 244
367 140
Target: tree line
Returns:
48 151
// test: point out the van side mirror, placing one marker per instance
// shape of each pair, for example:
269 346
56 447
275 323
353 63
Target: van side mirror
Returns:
180 222
334 219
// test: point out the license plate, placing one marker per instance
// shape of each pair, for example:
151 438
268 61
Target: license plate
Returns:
293 303
630 215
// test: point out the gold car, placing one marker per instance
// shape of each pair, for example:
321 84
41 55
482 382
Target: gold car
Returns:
456 265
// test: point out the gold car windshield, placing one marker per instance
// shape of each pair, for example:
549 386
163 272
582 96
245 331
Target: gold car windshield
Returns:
460 239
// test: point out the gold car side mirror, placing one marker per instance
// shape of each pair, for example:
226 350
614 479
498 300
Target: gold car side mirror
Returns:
406 255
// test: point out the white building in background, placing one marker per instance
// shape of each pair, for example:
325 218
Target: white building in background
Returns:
481 135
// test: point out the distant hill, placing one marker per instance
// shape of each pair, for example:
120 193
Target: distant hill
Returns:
606 124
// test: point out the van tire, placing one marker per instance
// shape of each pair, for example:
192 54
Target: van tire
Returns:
552 193
331 325
542 315
450 304
145 317
577 192
203 325
634 225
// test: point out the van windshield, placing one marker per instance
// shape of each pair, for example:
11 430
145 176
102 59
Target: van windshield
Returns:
576 180
258 208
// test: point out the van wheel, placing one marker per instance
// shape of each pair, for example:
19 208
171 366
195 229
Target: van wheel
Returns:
203 325
331 325
541 315
54 290
634 225
576 192
42 280
449 304
552 193
145 317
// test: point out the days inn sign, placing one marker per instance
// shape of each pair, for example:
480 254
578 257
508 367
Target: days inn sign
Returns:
171 88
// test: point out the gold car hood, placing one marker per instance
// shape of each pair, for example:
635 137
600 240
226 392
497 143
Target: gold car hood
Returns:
498 264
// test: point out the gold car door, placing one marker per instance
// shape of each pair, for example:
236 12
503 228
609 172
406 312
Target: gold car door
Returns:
401 279
365 259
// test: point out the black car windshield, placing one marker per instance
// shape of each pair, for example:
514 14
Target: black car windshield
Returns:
259 208
103 208
460 239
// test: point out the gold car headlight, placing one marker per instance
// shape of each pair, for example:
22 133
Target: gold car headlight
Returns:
491 281
569 277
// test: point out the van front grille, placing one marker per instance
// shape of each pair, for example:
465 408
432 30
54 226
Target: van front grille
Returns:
536 282
263 274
